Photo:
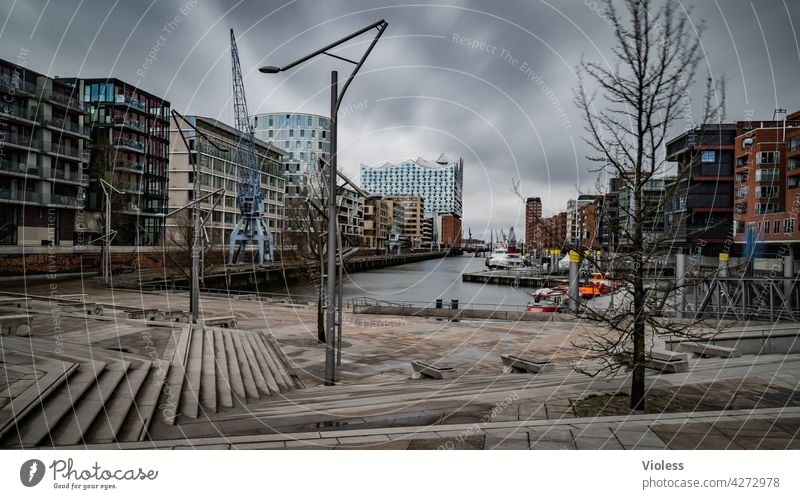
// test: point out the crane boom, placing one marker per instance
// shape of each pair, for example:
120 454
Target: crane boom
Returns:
251 228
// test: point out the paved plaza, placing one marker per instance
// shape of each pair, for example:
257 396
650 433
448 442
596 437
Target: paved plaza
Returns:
111 381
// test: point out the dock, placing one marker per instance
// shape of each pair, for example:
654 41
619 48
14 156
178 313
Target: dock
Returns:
515 278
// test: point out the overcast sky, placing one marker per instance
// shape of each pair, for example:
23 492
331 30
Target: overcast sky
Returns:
424 90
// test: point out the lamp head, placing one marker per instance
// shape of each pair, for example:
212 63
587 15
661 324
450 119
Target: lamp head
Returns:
269 69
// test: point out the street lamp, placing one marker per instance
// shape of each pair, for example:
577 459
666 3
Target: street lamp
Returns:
107 188
336 99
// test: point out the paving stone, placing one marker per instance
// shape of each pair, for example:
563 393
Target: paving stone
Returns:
320 443
590 431
390 445
552 445
469 443
517 433
494 443
203 447
637 439
366 439
549 434
259 445
597 443
422 435
767 443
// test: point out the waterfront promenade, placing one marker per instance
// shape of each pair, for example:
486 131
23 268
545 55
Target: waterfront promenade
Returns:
375 403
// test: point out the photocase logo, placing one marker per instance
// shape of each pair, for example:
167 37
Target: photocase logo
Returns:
31 472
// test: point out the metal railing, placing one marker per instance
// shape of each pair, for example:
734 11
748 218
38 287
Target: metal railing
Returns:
67 126
449 304
40 198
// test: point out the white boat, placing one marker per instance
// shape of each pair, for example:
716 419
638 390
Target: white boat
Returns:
502 259
547 300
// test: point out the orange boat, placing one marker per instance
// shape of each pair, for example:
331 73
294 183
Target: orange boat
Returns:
599 284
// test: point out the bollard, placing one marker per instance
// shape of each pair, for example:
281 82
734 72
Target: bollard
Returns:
454 304
788 276
574 266
438 303
680 282
723 264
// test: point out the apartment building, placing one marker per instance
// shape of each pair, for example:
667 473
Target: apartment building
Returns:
699 215
305 138
130 137
412 212
767 184
350 203
377 223
43 161
217 169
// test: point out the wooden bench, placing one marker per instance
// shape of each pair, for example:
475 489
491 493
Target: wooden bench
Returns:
667 361
17 324
424 369
225 321
515 364
708 350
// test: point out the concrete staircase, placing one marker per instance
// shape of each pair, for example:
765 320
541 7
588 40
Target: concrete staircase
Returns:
82 395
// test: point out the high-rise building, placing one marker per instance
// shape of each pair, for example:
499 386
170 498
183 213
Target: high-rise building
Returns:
377 223
699 215
582 221
43 161
218 169
130 137
350 204
439 183
305 138
533 222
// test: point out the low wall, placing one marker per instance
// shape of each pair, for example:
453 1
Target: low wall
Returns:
758 340
457 314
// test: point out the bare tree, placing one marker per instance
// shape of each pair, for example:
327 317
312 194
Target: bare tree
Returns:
180 240
629 108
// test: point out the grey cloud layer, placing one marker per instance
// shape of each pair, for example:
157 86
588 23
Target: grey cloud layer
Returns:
422 91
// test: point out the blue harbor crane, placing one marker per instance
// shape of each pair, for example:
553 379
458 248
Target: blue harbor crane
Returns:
251 228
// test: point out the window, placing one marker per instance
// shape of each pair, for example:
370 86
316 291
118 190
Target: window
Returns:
768 157
766 227
291 132
777 227
269 134
788 225
708 157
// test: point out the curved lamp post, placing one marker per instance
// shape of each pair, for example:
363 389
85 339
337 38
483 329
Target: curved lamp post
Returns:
336 99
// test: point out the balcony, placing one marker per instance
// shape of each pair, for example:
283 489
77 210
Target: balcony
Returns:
15 139
742 161
135 125
7 83
129 166
766 193
60 149
130 143
18 113
68 176
131 102
741 209
741 193
19 168
63 125
46 199
67 101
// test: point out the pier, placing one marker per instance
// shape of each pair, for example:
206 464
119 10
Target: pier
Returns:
515 278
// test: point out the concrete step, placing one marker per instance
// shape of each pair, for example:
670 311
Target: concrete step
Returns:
208 373
224 391
169 400
287 365
275 365
35 427
190 394
135 426
71 428
250 363
234 372
108 423
248 380
262 362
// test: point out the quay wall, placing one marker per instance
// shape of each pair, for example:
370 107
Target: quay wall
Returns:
459 314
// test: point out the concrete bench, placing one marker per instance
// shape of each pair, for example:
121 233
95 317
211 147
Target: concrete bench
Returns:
17 324
667 362
16 302
708 350
515 364
226 321
148 314
424 369
87 307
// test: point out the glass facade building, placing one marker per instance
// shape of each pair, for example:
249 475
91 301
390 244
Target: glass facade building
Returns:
305 138
440 183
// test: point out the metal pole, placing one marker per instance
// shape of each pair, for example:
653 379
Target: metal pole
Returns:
194 293
330 321
339 307
723 264
107 243
788 276
574 264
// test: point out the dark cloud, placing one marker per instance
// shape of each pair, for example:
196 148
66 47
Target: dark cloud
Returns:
422 92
